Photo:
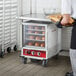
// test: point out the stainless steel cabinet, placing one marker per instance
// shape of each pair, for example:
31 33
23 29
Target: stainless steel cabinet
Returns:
8 25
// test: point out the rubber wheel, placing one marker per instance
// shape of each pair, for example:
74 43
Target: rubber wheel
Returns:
9 49
24 60
44 63
69 74
15 48
1 54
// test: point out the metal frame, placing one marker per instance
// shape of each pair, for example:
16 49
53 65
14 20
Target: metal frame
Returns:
24 24
1 25
9 23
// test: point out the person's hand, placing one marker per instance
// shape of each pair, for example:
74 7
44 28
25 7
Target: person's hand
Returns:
65 19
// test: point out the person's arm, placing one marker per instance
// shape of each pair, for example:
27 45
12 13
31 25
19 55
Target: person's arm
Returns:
66 11
66 19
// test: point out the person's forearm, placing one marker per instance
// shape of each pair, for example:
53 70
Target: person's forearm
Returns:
66 15
65 19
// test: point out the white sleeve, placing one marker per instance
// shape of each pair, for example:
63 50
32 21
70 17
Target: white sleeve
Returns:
66 6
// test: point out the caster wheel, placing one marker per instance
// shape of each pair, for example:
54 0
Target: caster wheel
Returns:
9 49
1 54
24 60
15 48
44 63
69 74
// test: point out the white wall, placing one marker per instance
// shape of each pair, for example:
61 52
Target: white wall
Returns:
47 4
39 5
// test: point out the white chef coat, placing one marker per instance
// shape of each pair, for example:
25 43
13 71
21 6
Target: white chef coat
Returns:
69 7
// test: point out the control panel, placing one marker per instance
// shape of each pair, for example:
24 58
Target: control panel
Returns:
35 53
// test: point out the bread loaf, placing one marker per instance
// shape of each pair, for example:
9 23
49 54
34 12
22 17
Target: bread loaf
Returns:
57 17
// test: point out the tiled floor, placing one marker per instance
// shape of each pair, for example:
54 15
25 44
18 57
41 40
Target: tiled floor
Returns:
11 65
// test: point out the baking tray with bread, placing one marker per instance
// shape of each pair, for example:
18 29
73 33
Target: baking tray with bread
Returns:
56 18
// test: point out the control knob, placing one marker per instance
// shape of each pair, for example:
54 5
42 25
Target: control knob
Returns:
38 53
33 52
29 52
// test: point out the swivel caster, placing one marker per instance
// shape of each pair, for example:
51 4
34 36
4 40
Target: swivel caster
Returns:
1 54
9 49
44 63
24 60
15 48
69 74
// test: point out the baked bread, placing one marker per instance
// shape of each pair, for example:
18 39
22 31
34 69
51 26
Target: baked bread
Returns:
57 18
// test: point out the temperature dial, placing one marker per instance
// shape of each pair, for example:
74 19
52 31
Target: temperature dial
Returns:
33 52
29 52
38 53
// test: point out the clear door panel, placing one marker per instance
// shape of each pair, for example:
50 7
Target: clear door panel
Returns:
34 36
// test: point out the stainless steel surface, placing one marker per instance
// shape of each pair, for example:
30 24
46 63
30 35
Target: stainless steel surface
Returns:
36 17
8 13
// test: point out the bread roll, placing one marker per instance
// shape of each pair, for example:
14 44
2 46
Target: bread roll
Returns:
43 32
38 38
43 38
31 37
36 27
57 17
37 44
36 32
42 44
43 28
30 27
30 43
30 31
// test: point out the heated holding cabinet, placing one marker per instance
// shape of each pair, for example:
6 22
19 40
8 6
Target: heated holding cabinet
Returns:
39 40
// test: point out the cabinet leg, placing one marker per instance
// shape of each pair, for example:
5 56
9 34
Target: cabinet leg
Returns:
1 54
44 63
24 60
